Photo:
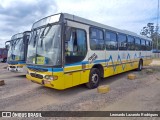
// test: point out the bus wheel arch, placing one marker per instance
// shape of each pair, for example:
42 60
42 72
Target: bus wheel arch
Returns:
96 72
100 68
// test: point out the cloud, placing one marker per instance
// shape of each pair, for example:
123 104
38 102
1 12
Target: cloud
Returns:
18 16
124 14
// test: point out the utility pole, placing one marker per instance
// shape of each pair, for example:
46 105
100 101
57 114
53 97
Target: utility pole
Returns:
157 28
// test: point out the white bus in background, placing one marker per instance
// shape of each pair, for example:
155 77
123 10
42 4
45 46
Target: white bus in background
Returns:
66 50
17 52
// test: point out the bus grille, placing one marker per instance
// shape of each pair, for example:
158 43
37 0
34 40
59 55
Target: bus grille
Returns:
36 75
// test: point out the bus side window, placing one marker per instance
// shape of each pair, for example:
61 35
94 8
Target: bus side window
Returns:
147 45
137 44
96 39
75 46
111 41
143 44
131 43
122 42
150 45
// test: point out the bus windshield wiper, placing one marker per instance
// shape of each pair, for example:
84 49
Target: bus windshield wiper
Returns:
15 42
34 38
43 35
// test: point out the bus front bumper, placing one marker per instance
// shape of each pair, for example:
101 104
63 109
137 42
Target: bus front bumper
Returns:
39 81
17 68
55 84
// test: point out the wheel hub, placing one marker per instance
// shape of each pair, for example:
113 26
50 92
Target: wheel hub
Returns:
95 78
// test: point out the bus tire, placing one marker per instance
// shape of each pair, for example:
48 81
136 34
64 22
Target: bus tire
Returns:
140 65
94 78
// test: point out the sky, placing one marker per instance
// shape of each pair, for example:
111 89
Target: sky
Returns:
19 15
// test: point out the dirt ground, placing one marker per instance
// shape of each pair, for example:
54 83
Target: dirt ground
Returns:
141 94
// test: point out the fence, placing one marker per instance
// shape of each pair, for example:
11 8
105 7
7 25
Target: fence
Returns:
156 55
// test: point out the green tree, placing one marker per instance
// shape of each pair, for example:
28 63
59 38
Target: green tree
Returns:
151 31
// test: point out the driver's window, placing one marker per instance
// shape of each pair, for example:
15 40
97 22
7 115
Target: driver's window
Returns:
71 44
75 45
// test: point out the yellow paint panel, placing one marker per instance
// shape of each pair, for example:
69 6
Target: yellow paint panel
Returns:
68 77
128 67
108 71
84 76
119 69
76 78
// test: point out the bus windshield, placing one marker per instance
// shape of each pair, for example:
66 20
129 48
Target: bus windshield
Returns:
45 45
16 50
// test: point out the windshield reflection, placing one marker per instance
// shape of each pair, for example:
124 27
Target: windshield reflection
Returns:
16 50
45 46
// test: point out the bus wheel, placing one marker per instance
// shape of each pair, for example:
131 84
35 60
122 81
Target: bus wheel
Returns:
140 65
94 78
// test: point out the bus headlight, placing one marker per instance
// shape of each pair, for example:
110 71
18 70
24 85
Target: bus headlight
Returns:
50 77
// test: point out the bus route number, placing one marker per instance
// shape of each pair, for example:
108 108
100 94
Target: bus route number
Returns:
92 58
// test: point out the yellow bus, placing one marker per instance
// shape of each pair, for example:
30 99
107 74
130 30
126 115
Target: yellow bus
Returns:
17 52
66 50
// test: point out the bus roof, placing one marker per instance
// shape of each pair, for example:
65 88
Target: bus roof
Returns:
19 35
92 23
